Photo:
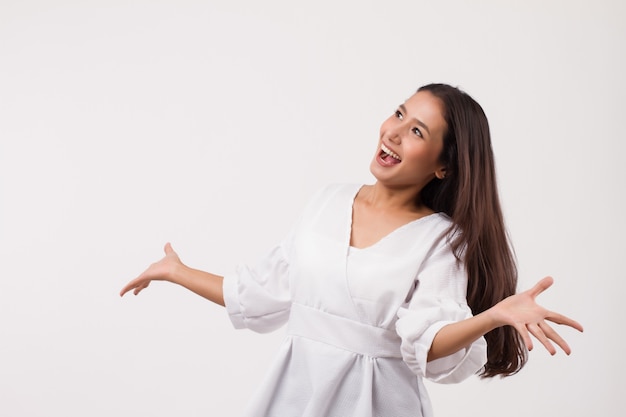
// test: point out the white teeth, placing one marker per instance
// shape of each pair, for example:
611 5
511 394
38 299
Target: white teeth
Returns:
390 152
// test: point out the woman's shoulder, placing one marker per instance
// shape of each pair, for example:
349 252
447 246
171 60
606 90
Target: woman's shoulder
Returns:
442 219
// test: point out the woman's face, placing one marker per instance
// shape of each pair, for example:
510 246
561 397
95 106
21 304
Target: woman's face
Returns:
410 144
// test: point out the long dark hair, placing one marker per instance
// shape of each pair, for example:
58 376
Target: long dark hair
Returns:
469 195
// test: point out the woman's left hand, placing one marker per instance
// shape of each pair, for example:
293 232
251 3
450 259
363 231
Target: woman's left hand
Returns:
523 313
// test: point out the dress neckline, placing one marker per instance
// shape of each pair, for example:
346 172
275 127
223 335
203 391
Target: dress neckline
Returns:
358 188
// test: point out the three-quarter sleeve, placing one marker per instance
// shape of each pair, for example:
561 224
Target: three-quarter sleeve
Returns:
438 299
258 297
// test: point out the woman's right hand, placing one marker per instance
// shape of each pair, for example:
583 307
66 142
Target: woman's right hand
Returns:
162 270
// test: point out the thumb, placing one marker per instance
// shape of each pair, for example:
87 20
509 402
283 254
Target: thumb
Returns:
541 286
168 248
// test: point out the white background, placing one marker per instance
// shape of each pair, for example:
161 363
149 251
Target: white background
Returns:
127 124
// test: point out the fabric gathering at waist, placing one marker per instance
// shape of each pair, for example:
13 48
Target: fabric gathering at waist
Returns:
350 335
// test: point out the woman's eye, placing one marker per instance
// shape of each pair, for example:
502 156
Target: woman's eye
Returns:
417 132
398 114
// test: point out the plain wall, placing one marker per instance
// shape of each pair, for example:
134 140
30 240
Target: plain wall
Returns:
127 124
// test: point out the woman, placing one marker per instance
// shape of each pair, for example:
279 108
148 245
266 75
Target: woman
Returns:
383 285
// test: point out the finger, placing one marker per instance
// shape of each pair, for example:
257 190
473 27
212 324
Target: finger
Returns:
564 320
536 331
141 287
132 285
555 337
127 288
168 248
525 336
138 289
541 286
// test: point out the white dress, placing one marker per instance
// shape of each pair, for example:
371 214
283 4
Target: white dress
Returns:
360 321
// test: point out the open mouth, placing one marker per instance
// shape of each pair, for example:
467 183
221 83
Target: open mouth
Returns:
389 156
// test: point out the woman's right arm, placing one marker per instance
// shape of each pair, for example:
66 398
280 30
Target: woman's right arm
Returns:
171 269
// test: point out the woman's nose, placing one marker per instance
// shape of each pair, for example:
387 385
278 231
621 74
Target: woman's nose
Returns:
395 134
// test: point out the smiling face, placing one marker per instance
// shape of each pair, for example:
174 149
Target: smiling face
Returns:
411 141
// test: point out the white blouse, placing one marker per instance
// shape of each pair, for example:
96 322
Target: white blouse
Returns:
360 321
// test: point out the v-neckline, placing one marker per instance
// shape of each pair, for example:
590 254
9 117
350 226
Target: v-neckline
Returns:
384 237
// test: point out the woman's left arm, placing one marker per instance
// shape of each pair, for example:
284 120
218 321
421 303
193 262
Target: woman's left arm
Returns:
520 311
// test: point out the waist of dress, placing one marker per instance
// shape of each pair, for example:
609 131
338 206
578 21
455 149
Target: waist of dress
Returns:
343 333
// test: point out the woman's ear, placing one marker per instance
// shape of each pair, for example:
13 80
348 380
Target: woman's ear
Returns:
441 173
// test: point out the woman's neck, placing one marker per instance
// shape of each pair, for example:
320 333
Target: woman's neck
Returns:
385 198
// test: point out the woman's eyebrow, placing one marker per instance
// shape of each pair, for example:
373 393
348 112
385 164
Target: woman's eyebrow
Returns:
419 122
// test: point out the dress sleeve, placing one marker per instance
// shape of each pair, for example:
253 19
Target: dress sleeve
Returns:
258 297
439 299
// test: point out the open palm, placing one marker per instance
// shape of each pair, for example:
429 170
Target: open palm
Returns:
158 271
523 313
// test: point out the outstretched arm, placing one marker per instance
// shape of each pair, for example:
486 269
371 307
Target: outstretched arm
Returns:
520 311
171 269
